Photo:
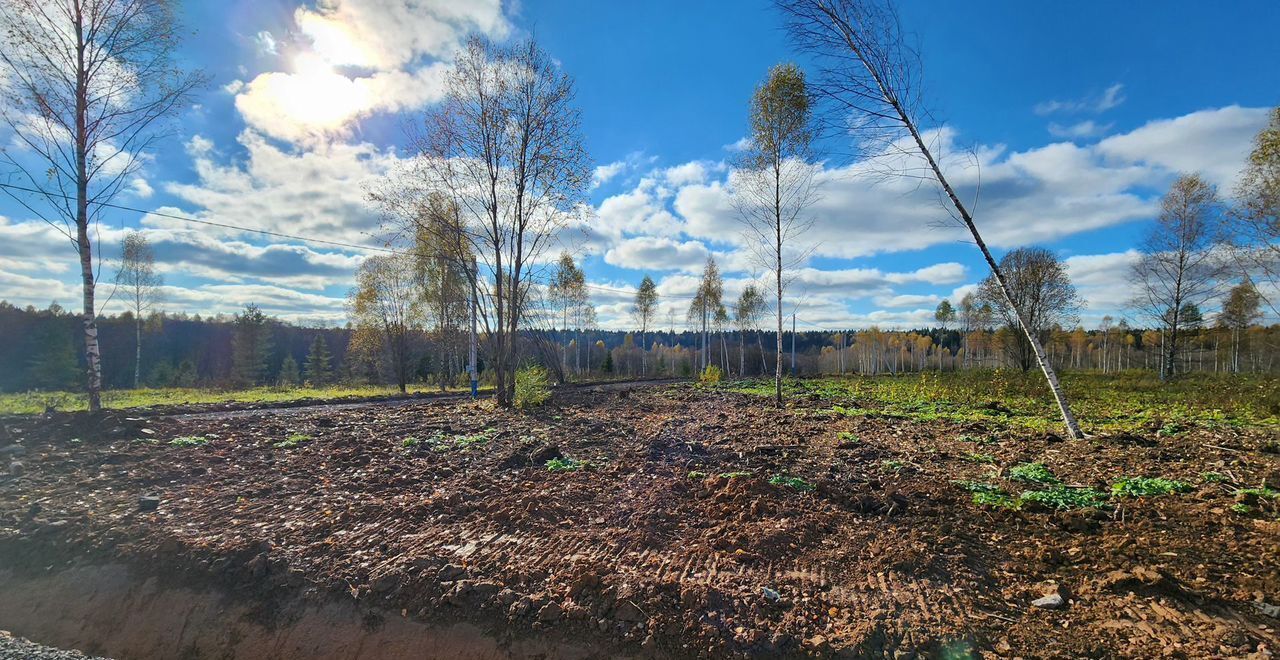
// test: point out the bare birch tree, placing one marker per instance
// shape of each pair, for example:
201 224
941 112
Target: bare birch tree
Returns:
85 85
773 184
505 146
140 282
1179 270
870 75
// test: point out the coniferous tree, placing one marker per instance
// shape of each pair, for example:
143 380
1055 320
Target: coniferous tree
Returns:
289 371
318 368
53 366
250 346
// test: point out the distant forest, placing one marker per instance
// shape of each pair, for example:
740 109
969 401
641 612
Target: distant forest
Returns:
249 349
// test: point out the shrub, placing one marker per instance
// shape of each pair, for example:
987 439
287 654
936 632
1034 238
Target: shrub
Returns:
1147 487
711 375
1036 473
532 387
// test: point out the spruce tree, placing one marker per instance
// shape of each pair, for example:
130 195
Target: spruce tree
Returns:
250 346
289 371
318 368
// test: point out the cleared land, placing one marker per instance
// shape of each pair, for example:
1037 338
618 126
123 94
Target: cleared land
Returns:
871 516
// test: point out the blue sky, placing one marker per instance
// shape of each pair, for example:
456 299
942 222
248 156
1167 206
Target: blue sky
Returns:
1080 113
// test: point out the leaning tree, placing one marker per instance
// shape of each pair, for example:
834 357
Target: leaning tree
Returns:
871 77
84 87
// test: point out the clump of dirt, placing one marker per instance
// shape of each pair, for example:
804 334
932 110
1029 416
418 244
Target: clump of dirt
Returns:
681 521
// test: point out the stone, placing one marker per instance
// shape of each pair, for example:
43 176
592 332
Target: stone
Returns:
1051 602
13 450
148 502
550 612
451 572
627 611
16 469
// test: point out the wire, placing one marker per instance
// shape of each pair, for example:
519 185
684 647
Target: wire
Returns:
276 234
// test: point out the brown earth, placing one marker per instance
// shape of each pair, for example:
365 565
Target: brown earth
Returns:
634 555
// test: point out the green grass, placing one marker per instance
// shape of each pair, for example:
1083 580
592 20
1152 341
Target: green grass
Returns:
847 437
735 475
1035 473
189 441
565 465
1147 487
293 441
34 403
979 457
791 482
1131 401
1260 493
697 474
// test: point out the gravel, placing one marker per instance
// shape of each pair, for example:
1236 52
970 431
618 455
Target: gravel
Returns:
17 648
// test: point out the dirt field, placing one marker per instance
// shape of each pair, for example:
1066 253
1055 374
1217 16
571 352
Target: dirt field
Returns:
678 521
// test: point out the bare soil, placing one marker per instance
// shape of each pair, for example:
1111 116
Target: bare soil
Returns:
631 554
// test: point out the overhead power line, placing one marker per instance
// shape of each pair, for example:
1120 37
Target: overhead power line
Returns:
277 234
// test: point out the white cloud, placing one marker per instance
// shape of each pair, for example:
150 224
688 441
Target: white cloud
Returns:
317 103
686 174
657 254
1110 98
907 300
1080 130
1213 142
399 48
311 193
266 43
603 173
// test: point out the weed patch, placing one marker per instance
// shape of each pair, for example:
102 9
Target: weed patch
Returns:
189 441
565 465
791 482
1147 487
1065 499
1035 473
293 441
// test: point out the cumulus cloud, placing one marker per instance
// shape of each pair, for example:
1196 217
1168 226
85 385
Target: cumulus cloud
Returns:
658 254
314 193
603 173
1213 142
354 58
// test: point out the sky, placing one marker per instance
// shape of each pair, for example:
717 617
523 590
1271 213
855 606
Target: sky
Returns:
1075 117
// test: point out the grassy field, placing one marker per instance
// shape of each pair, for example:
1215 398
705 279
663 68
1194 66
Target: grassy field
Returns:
1103 402
31 403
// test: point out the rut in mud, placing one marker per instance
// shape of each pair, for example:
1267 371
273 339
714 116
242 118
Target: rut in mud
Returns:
680 523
